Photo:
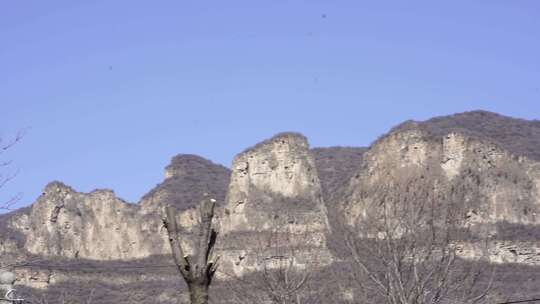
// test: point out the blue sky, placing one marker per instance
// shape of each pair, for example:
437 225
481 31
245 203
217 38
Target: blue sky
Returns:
111 90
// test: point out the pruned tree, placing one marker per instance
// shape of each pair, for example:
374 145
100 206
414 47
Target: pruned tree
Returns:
198 269
405 248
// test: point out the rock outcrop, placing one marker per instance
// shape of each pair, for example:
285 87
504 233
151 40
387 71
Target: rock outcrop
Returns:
100 226
274 193
281 194
449 158
97 225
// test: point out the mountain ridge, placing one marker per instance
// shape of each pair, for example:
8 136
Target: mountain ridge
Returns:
283 179
518 136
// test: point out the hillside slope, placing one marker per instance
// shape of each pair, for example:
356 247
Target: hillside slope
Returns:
489 162
187 178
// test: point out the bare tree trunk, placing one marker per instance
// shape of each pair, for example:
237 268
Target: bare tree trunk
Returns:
198 292
197 270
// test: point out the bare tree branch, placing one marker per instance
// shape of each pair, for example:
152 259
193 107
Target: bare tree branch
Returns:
404 248
6 177
279 278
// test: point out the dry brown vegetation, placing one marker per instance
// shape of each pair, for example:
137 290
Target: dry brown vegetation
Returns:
288 265
193 177
519 136
406 252
403 252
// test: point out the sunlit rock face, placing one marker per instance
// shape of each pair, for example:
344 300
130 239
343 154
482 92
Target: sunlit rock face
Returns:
98 225
274 190
67 225
95 225
498 185
273 177
277 193
504 251
437 159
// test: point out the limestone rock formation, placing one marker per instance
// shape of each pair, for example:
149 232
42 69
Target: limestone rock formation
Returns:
453 159
280 192
274 189
97 225
100 226
67 225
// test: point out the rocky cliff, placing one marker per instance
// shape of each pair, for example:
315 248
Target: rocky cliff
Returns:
97 225
481 159
280 194
273 185
67 226
274 196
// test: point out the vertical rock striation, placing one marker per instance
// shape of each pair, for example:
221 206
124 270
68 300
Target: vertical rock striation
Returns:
97 225
450 159
274 190
280 194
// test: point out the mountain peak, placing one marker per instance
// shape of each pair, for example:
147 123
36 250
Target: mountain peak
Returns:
518 136
55 187
293 138
189 164
187 178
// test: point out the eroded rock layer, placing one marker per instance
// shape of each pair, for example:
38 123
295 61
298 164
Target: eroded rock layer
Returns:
274 198
280 194
424 161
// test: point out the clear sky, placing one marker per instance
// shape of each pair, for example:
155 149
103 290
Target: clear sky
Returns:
111 90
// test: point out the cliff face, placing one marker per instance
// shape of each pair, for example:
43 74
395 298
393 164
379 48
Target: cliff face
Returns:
517 136
67 226
274 185
275 176
421 161
275 193
280 192
97 225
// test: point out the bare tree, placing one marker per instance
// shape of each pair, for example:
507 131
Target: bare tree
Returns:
6 176
286 263
198 269
405 248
